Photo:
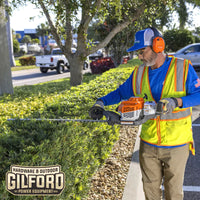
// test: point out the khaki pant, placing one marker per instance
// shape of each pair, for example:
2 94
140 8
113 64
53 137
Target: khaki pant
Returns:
165 165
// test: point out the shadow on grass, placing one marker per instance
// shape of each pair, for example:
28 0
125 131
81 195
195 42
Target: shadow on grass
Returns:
43 89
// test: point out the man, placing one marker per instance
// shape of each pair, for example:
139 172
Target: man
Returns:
167 138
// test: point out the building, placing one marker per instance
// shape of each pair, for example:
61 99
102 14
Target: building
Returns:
43 40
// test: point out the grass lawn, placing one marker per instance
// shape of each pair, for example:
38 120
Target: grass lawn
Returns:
19 67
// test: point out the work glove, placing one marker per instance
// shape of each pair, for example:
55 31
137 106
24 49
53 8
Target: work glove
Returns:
96 112
112 117
166 105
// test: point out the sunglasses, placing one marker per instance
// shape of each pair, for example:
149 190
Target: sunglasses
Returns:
140 52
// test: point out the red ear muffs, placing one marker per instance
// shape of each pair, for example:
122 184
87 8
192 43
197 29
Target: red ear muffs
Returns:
158 44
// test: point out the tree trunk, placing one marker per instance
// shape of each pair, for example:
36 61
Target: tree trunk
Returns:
10 44
5 70
76 71
10 41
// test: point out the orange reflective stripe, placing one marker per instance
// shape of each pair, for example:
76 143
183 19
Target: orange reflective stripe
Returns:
192 149
158 130
134 81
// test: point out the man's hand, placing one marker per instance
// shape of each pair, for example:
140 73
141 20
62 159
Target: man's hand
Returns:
112 117
166 105
96 112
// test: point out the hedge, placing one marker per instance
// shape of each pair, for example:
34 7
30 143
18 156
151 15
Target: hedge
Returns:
79 148
27 60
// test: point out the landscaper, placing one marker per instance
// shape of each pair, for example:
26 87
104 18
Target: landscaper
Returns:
166 139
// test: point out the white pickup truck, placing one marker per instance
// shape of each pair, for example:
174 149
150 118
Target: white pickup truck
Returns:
54 61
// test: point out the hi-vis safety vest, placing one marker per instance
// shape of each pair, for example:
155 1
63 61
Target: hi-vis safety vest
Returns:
171 129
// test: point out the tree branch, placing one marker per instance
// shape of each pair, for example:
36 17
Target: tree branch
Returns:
53 29
68 27
87 16
117 29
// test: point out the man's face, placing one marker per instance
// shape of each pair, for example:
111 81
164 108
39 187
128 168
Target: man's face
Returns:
147 56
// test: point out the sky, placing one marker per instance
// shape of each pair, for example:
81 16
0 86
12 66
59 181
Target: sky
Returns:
20 18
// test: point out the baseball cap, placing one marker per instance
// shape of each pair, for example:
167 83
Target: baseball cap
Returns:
143 39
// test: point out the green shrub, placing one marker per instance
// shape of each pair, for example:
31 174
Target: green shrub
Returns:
79 148
16 48
28 60
176 39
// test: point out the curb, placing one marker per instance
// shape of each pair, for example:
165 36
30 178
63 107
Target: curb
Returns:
134 189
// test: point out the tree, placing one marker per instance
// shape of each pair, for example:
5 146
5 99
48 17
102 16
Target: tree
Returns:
119 43
18 36
176 39
10 43
9 35
123 40
26 39
182 13
16 48
181 9
197 34
62 14
5 70
35 41
43 30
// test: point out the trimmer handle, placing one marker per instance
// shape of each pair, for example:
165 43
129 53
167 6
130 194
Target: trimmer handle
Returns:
161 108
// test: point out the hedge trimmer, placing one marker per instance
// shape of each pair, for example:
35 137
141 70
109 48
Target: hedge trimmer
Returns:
131 112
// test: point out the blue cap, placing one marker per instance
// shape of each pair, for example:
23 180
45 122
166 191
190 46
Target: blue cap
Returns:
143 39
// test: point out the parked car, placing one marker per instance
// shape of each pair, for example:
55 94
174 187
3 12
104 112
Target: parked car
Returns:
56 60
190 52
34 48
23 48
98 54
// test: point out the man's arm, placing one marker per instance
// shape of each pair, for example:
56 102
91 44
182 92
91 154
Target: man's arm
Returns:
125 91
193 90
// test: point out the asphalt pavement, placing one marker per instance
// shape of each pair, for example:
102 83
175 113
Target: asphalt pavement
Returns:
192 174
34 76
133 189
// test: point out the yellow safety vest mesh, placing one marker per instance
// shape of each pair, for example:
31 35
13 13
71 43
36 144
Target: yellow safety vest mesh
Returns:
172 129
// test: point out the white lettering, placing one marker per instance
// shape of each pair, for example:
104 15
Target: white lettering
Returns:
40 181
11 181
59 181
49 181
31 180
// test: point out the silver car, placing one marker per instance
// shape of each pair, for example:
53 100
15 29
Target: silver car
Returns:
190 52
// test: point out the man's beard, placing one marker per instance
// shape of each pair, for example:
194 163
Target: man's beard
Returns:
151 61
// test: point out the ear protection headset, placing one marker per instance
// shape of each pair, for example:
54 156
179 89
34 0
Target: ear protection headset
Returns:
158 43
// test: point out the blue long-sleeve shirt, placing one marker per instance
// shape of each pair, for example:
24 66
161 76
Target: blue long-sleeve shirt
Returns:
156 79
